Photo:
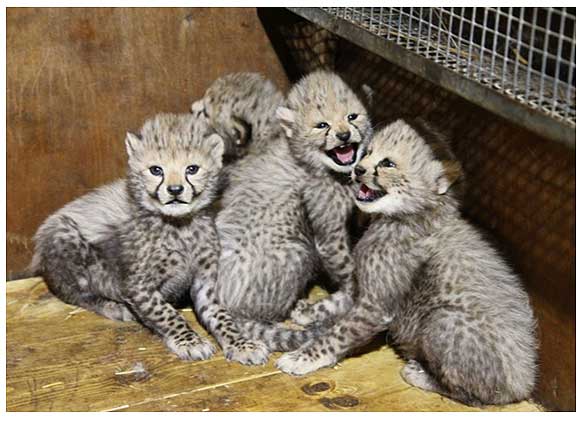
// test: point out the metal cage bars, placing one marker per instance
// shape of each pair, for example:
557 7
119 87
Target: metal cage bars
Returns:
524 54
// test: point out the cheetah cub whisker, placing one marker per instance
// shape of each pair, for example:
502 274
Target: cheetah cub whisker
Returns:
134 248
454 309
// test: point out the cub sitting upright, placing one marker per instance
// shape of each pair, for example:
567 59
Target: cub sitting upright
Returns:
286 210
452 306
132 248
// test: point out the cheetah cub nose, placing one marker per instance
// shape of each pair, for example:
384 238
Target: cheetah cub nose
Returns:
343 136
359 170
175 189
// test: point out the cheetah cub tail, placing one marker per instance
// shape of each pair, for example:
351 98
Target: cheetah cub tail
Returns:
277 336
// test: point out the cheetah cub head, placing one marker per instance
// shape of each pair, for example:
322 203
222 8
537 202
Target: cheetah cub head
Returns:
326 124
219 106
407 168
174 164
233 104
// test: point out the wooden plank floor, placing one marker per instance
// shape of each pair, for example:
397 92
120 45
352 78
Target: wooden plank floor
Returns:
62 358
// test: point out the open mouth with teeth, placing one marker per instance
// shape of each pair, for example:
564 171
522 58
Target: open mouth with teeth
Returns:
366 194
344 155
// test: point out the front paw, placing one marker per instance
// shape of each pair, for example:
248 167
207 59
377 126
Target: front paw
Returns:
303 314
247 352
300 362
190 347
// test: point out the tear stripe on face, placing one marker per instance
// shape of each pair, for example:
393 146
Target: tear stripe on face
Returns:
194 192
156 195
357 129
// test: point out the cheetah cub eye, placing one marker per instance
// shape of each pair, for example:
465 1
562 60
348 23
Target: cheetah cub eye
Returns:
386 162
192 169
156 171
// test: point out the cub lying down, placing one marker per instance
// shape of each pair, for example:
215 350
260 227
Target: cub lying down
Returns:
134 248
453 307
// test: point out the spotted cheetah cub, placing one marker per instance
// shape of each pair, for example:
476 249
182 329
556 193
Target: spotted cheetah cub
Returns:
131 249
241 108
285 214
452 306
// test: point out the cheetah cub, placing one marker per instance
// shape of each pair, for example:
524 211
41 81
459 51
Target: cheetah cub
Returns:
285 214
452 306
131 249
241 108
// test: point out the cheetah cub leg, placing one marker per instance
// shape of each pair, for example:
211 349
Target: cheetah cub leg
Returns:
219 322
328 212
161 317
75 269
355 329
326 311
235 346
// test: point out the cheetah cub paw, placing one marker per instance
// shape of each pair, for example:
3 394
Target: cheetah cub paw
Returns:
300 362
190 347
247 352
414 374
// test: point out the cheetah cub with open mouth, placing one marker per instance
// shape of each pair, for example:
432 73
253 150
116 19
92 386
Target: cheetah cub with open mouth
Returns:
131 249
285 214
454 309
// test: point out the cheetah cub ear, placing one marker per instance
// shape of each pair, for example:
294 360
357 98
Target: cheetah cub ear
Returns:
215 148
197 107
368 94
132 143
449 174
242 129
287 118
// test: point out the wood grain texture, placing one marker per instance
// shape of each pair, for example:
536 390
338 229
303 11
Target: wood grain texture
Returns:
78 79
62 358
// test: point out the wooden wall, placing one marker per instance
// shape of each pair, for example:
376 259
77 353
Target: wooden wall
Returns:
78 79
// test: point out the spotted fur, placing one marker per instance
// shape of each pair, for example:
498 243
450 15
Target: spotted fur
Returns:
241 107
138 246
455 310
286 209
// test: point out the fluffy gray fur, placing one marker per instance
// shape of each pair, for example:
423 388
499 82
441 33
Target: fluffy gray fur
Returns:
131 249
241 108
286 209
453 307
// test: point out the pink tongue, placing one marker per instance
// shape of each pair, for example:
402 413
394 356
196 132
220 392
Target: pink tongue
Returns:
365 192
345 154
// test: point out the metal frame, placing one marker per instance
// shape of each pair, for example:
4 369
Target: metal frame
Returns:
372 29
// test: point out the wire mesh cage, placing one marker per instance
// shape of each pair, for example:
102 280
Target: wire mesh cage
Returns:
524 54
